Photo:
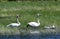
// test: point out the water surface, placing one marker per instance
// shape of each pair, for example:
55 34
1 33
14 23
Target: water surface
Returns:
31 36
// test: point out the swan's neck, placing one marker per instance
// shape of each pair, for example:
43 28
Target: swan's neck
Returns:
18 21
38 21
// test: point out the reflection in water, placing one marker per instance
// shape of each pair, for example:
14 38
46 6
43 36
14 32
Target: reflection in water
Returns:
34 32
33 35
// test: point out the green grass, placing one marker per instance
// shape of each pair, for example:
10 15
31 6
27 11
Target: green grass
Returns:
27 10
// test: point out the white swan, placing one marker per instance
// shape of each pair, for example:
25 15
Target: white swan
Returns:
50 27
34 24
53 27
14 24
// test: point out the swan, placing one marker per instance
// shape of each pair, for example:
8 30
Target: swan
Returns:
17 24
50 27
34 24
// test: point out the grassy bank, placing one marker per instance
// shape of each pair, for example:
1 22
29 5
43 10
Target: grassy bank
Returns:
27 10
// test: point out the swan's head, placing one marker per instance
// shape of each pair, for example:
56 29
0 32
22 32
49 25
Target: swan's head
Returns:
53 26
38 15
17 16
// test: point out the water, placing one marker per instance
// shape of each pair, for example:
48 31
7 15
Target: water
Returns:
33 36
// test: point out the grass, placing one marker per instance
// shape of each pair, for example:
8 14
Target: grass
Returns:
27 10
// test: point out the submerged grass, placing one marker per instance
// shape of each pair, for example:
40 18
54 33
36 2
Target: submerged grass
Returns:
27 10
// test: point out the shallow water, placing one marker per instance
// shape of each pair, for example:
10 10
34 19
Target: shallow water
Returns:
35 34
31 36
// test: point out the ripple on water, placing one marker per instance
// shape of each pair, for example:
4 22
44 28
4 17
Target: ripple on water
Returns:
34 32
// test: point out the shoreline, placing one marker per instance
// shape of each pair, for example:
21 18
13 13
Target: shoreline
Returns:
16 31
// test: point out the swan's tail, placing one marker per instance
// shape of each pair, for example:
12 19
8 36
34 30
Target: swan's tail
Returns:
27 25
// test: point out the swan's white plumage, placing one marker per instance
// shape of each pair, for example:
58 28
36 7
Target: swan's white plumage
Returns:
50 27
33 24
14 24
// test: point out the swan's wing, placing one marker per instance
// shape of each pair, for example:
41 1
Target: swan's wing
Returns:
33 24
13 24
